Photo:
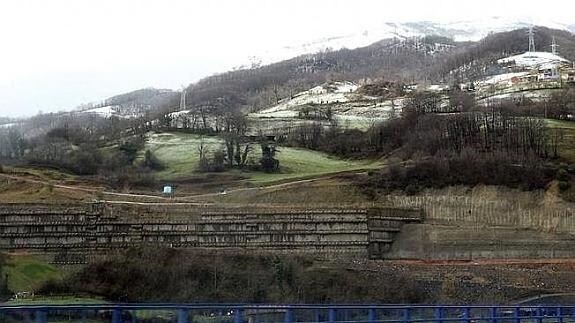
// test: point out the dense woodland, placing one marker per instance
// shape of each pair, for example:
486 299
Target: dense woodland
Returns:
169 275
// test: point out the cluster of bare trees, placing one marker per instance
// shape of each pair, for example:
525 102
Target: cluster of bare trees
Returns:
485 133
494 146
561 105
12 144
333 139
238 149
74 142
494 129
513 147
316 112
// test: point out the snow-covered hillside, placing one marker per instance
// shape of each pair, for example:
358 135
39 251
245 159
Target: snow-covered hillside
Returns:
346 105
131 104
337 92
469 30
533 59
105 112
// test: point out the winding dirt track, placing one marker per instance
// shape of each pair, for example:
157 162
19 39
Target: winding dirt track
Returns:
192 198
79 188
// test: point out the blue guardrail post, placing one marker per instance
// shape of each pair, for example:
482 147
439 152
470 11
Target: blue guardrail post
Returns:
467 315
288 318
331 315
41 316
407 315
539 315
439 314
371 315
238 315
182 316
117 315
494 314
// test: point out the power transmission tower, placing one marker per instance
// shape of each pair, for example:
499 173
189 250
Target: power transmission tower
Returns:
554 47
183 99
531 34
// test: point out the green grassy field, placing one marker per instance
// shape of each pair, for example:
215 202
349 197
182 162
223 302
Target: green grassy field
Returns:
567 145
56 300
303 163
179 153
27 272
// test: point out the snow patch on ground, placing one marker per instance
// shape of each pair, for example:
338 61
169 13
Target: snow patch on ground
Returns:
9 125
507 77
337 92
110 111
349 108
437 87
536 95
178 113
105 112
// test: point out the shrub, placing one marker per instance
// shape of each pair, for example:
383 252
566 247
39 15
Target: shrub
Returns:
268 161
131 147
215 164
562 175
129 176
151 161
411 189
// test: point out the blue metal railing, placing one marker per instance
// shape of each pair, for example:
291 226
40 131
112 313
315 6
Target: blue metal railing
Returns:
242 313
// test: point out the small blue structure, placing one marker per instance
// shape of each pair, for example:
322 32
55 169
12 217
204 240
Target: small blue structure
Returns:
168 189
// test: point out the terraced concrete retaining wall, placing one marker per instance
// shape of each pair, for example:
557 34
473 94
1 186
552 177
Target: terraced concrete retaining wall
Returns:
69 228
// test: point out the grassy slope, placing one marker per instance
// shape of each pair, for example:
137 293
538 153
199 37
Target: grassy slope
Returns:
567 146
56 300
26 272
179 152
46 174
17 191
301 163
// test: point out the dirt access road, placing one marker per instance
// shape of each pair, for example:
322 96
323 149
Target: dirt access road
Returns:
137 198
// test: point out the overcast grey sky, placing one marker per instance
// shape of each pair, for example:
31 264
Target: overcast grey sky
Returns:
57 54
